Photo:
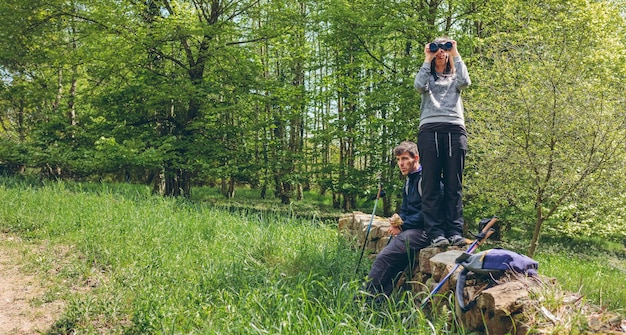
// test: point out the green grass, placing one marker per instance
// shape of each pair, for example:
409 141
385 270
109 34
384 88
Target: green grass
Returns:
599 279
167 266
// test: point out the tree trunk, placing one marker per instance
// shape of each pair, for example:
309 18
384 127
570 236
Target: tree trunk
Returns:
173 182
535 239
347 203
71 107
336 200
231 188
224 187
387 206
299 192
59 96
282 189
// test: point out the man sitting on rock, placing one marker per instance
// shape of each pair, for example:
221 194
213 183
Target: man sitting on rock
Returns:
406 232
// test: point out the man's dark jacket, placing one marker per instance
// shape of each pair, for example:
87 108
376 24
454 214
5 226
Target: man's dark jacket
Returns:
411 208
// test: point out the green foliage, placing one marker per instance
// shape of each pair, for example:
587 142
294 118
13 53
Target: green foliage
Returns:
604 219
547 112
13 155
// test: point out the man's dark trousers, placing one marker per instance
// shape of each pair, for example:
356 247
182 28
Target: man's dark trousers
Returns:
393 259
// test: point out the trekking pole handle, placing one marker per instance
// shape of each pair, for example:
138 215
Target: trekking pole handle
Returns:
482 240
485 233
489 225
491 231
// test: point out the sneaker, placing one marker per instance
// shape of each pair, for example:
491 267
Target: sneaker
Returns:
439 242
457 240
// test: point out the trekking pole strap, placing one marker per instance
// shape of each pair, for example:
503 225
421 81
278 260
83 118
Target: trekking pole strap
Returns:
460 284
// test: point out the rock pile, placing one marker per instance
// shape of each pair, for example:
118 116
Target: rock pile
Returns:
506 307
355 225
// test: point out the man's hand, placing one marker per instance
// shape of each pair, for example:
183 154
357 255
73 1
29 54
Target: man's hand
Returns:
394 231
395 220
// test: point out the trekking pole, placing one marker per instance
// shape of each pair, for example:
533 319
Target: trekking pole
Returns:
480 238
380 188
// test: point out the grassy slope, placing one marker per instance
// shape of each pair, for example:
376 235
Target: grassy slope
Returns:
160 265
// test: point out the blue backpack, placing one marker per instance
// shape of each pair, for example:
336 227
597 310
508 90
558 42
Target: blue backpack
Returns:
492 262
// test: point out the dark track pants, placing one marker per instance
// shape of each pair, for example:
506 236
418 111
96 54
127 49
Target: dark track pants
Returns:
442 155
393 259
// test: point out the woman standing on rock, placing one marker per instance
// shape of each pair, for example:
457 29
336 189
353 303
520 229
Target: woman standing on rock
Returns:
442 139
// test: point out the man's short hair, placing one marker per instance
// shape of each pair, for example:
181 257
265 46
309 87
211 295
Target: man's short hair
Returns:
406 146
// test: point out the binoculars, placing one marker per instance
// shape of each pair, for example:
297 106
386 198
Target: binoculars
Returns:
434 47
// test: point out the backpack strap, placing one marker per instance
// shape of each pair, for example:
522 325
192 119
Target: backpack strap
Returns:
419 186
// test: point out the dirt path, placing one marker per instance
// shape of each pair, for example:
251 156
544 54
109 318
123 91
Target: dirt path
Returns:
23 309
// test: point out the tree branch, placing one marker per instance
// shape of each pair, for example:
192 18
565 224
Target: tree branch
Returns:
372 55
